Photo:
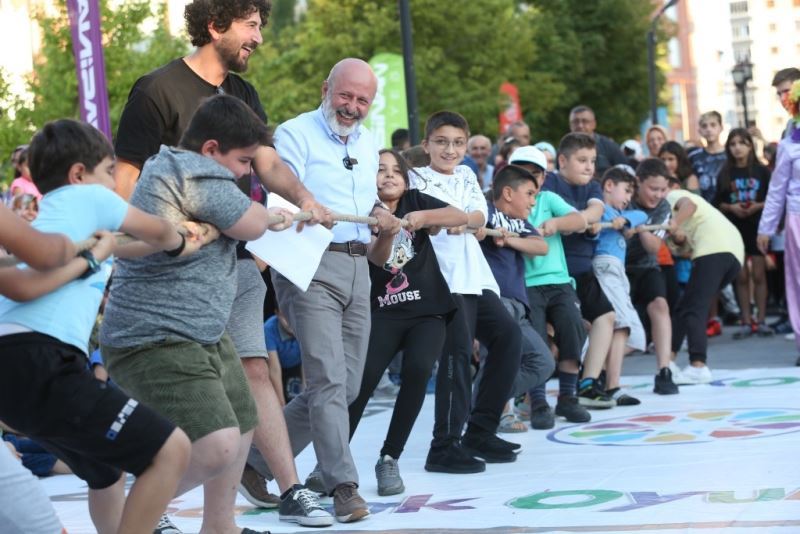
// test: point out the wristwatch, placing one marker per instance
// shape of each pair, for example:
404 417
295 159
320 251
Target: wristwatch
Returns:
94 265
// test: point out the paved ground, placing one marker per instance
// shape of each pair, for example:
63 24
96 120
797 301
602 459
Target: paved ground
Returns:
727 353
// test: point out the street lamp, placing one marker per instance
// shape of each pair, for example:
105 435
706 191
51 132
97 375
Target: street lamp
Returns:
743 73
651 60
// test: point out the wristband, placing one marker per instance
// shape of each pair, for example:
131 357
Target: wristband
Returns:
94 265
177 250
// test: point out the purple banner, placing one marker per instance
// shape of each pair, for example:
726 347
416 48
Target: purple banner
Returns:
87 47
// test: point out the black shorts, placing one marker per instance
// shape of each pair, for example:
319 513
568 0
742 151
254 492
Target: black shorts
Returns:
646 286
594 302
47 393
559 305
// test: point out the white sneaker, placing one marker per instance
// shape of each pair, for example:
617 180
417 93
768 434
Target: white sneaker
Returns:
696 375
789 336
677 375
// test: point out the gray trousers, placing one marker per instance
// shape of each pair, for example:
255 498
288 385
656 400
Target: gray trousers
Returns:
537 363
331 321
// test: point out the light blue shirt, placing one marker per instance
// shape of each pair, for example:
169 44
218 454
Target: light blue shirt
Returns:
612 242
68 313
316 155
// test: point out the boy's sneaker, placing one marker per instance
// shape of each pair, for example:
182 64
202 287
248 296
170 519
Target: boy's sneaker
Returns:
301 506
592 396
762 330
314 482
664 384
253 487
510 445
744 331
622 399
569 408
713 328
348 504
453 459
165 526
677 374
488 448
697 375
387 472
542 417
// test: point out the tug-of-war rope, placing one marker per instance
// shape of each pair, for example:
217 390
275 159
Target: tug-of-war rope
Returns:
123 239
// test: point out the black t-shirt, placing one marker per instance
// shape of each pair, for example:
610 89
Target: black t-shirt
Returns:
578 247
507 264
745 187
161 104
159 108
411 284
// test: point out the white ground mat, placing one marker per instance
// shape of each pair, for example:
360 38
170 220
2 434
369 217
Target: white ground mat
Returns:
718 457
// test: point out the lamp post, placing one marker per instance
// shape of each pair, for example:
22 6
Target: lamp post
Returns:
408 64
651 60
742 73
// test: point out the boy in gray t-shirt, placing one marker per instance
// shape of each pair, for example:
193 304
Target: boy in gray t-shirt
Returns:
163 331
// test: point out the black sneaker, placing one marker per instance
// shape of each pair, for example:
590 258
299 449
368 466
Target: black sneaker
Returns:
592 396
516 448
453 459
664 384
165 526
622 399
542 417
570 409
488 448
301 506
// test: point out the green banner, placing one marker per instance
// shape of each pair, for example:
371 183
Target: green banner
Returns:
388 111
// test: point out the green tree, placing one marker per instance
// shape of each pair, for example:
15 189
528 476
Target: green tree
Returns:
129 51
597 52
463 51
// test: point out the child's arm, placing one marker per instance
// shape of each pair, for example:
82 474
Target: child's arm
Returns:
566 224
197 235
380 247
684 209
593 212
530 246
22 285
449 216
274 365
39 250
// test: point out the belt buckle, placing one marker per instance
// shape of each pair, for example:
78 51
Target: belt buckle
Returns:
350 249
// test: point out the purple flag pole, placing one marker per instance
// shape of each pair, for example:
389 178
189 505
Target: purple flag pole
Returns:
87 47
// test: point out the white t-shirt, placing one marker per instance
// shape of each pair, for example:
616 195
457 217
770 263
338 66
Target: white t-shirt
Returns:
68 313
460 257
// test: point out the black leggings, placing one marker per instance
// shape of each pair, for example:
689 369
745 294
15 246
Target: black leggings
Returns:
709 275
421 339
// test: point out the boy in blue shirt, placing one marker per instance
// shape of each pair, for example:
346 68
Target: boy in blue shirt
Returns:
514 191
609 267
46 390
574 183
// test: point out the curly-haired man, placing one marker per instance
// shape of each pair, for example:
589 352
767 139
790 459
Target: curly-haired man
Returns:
159 108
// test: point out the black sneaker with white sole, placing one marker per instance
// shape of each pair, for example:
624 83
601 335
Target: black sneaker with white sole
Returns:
301 505
488 448
664 385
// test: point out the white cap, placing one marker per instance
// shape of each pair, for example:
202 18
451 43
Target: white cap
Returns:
634 146
529 154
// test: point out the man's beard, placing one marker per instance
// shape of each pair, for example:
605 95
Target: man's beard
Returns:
330 117
229 55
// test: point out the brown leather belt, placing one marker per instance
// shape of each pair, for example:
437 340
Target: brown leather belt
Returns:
354 248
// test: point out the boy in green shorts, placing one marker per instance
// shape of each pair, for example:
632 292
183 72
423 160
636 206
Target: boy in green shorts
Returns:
163 331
